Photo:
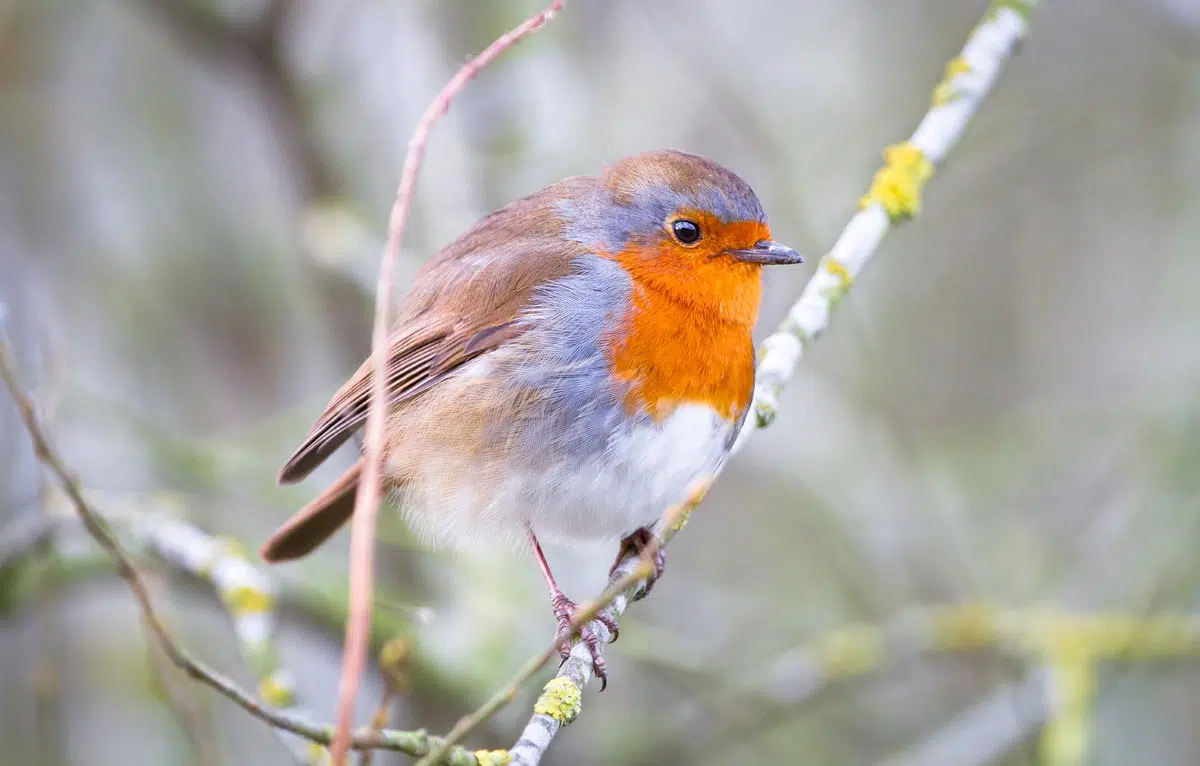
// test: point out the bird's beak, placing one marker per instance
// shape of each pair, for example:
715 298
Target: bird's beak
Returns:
767 253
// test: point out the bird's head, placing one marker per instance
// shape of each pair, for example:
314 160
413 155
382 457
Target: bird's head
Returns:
683 225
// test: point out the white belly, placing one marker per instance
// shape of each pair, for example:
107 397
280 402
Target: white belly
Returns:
571 497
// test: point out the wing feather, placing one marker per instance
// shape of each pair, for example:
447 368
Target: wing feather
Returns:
466 301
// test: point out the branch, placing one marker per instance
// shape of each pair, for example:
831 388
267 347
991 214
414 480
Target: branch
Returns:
20 539
1044 637
259 48
894 196
988 730
244 590
191 715
560 700
366 501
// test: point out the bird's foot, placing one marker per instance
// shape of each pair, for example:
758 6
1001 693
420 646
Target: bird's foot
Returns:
564 611
636 543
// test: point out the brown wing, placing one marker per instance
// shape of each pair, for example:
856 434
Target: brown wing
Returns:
417 360
464 302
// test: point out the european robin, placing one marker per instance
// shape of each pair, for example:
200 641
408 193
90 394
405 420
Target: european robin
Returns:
565 369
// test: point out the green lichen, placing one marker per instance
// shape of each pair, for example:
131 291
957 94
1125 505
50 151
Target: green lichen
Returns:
1023 8
834 293
764 415
261 656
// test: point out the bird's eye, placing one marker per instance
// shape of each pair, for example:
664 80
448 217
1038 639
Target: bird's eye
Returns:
687 232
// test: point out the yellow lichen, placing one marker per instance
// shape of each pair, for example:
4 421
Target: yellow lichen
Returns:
970 626
493 757
318 755
680 522
393 660
898 184
837 269
1065 738
945 92
698 491
851 651
560 699
276 692
1169 635
247 600
205 568
835 292
232 547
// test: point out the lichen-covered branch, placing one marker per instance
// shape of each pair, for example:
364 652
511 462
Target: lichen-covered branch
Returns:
246 592
1041 635
894 196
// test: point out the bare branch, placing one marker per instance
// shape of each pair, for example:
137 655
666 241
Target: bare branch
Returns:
184 703
259 49
416 743
988 730
25 537
366 502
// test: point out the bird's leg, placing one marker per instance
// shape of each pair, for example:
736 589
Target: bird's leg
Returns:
636 543
564 610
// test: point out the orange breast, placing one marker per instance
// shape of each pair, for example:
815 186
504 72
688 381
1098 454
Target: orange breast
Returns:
687 338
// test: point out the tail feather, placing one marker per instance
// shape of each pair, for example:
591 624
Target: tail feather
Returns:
316 522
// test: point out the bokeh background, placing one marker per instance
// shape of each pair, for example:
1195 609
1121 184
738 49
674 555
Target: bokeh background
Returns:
1005 411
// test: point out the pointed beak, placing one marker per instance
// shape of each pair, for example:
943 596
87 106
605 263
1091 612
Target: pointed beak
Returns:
767 253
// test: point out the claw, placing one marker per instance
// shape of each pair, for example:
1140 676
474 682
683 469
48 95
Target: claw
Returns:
564 611
637 542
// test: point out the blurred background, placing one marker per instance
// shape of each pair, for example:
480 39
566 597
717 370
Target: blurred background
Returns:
1006 410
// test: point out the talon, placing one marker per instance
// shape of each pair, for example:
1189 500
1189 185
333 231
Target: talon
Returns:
564 610
636 543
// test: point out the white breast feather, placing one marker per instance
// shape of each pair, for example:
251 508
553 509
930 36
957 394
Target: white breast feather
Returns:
643 471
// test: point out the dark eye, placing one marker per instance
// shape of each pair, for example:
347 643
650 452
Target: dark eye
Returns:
687 232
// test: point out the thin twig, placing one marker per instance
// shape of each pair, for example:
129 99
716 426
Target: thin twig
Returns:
379 721
27 536
183 703
416 743
366 502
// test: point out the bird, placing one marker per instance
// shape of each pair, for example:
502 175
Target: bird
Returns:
563 371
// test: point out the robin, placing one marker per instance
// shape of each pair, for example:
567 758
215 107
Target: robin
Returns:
565 369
